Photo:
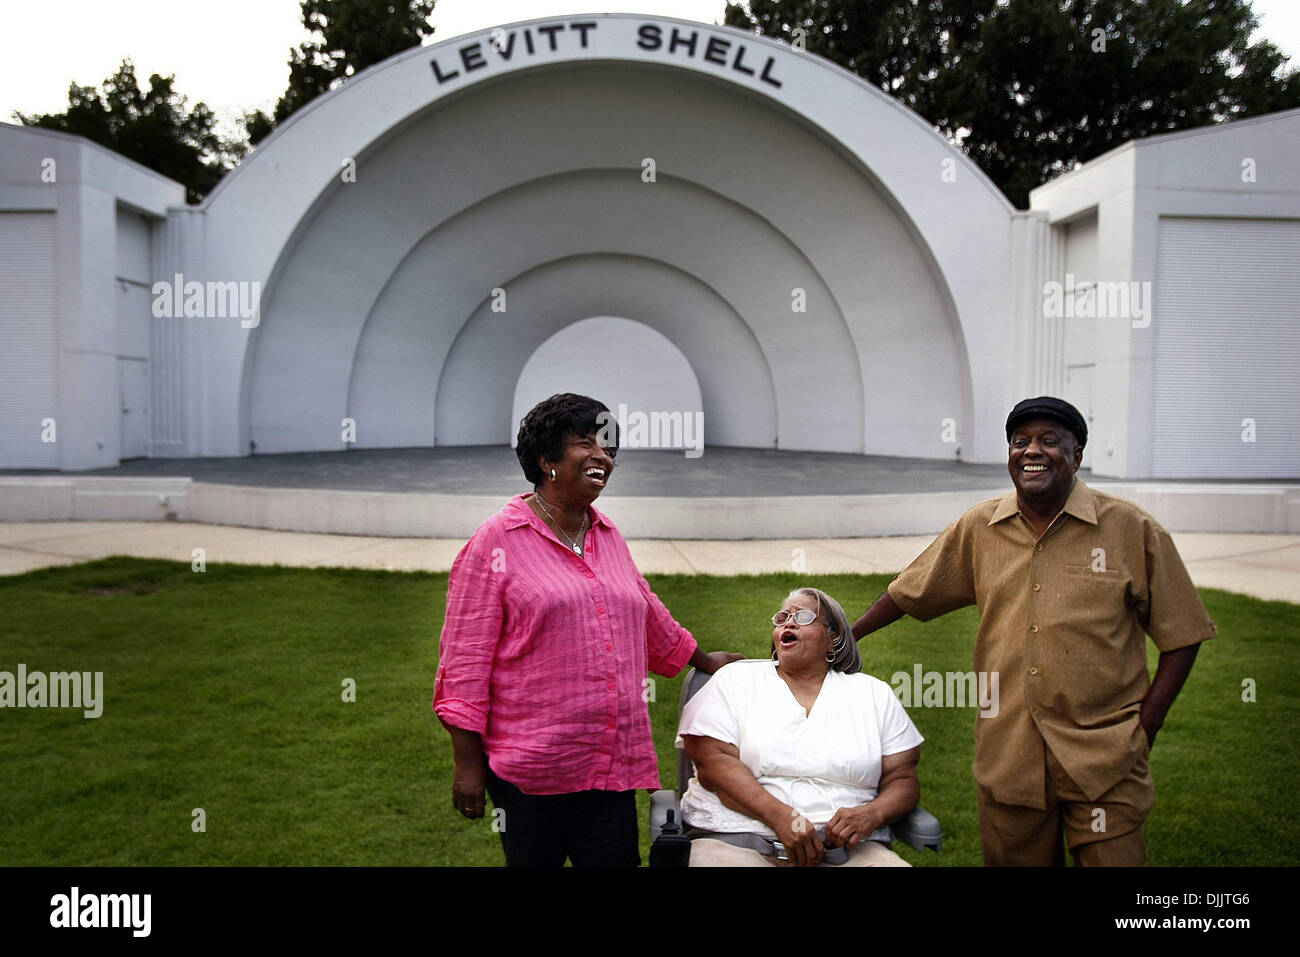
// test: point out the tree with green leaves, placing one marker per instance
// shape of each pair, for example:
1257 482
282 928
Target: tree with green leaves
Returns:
1031 88
351 35
154 127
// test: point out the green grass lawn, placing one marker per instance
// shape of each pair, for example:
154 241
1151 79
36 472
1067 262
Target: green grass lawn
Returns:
223 691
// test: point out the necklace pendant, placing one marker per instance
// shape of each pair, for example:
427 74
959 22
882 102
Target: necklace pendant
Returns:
577 549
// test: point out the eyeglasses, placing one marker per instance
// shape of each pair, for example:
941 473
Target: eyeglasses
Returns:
802 616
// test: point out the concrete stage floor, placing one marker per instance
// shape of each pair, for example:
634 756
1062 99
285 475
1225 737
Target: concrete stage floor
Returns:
494 470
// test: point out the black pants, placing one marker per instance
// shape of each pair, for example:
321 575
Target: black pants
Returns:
590 828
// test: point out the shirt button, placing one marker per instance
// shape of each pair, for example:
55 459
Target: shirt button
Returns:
1037 586
593 575
609 647
601 610
612 686
610 725
1033 671
1034 629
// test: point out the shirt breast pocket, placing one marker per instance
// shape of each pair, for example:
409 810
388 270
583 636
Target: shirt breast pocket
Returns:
1096 591
1096 573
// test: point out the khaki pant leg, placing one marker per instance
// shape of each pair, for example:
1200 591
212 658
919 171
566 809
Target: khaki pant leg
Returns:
706 852
1015 836
873 854
1130 850
1107 832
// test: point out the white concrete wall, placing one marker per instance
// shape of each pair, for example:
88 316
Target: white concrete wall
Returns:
1129 191
1179 508
93 194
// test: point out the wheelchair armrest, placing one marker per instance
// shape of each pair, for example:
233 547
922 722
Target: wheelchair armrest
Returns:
919 828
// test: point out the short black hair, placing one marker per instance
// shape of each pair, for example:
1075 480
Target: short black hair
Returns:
543 430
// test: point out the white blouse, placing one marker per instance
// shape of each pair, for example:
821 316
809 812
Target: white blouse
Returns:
817 762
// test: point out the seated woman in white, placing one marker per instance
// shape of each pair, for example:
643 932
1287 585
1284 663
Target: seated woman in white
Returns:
803 750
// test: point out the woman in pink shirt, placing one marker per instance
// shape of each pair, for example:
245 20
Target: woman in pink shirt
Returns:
550 631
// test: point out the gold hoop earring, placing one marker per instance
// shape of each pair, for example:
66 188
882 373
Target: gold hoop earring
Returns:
833 651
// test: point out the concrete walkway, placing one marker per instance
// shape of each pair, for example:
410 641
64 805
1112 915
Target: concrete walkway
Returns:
1264 566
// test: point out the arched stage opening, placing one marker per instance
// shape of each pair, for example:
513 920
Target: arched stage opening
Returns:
638 369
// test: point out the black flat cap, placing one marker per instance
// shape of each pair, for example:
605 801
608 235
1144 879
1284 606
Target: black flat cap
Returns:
1049 407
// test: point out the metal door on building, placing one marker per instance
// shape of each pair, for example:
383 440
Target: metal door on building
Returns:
133 377
1227 342
1078 392
29 356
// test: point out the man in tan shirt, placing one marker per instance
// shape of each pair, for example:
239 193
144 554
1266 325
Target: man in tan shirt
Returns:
1068 582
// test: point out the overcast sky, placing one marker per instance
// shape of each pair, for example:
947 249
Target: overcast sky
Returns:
233 54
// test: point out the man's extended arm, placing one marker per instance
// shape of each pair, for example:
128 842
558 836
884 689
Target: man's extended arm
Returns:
1171 671
710 661
883 612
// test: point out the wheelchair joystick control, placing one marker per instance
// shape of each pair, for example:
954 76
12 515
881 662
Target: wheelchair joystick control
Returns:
672 848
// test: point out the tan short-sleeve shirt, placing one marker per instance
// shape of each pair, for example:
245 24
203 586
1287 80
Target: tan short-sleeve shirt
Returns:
1063 620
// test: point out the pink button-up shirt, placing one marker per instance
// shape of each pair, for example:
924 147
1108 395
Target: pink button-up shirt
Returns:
544 653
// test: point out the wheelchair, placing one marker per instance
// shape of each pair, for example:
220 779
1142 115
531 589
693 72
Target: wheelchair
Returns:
671 844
